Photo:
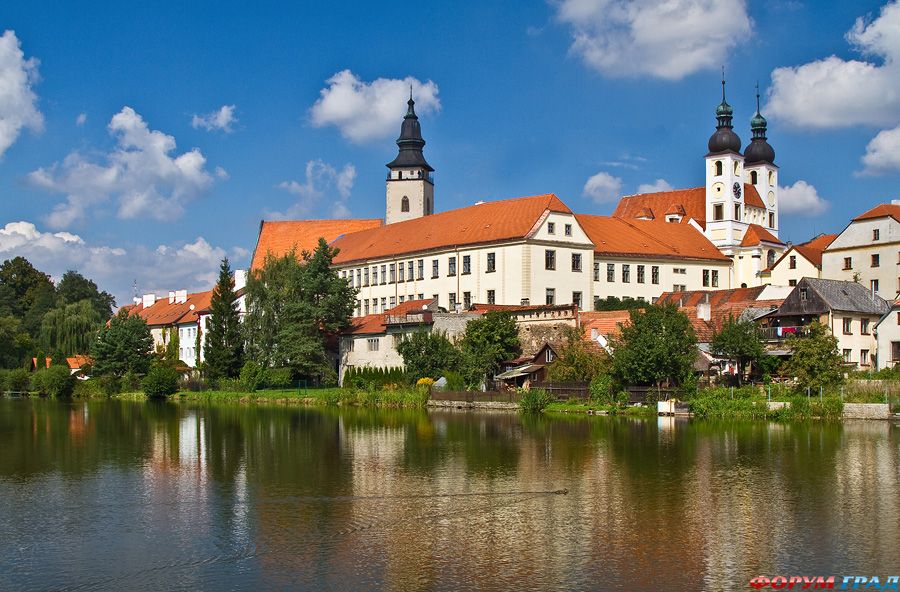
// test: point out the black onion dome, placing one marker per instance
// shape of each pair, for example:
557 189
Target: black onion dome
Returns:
723 140
410 141
759 149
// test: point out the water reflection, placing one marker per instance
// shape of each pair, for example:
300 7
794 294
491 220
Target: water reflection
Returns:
115 495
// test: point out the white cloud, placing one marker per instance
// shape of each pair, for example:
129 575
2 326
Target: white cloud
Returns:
365 111
81 119
141 174
656 186
668 40
883 153
192 266
801 198
221 120
322 180
18 103
833 92
603 187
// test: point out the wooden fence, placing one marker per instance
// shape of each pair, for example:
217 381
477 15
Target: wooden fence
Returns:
649 394
476 396
562 391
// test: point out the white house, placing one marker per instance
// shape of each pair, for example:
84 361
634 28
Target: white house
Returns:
799 261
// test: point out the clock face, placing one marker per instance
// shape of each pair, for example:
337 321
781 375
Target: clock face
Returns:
737 190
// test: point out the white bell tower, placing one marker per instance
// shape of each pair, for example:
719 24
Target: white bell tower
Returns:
725 215
410 181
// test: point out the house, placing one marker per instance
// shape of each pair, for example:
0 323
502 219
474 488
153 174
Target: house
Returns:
887 334
799 261
849 310
868 251
523 371
76 363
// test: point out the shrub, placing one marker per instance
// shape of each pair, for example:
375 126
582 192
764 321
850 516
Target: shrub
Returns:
425 382
161 381
88 389
601 389
192 383
253 376
18 380
3 378
130 383
279 378
55 381
231 385
622 398
455 381
109 384
535 400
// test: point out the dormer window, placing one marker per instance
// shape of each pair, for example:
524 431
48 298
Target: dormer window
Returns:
804 294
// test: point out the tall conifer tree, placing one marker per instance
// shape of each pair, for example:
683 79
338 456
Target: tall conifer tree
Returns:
224 349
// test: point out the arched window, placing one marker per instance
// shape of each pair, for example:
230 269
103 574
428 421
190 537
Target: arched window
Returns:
718 168
772 178
404 204
770 258
753 177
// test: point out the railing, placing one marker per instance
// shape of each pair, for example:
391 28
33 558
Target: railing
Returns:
778 333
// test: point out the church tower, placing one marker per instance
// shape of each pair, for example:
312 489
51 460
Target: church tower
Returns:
725 216
410 183
759 160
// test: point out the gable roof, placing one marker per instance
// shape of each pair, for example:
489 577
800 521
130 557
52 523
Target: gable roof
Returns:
811 250
482 223
608 323
715 297
688 203
162 313
846 296
648 238
374 324
881 211
279 237
756 234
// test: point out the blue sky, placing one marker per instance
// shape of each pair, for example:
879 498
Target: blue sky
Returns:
142 143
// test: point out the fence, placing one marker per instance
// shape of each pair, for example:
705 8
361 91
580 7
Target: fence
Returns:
564 390
476 396
650 394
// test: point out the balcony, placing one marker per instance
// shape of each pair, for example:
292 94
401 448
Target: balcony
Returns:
781 333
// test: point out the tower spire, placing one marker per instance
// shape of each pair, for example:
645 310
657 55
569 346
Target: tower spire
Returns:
759 149
724 139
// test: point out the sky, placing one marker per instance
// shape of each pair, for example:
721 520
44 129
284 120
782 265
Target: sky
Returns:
142 142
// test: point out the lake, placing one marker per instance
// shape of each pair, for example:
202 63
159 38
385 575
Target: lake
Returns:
113 495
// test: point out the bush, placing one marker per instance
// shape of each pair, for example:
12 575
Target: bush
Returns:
18 380
161 381
279 378
130 382
109 384
231 385
55 381
425 382
88 389
455 381
535 400
601 389
192 384
253 376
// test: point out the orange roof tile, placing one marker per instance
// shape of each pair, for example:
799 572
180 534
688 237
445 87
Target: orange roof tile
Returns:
483 223
279 237
76 362
756 234
751 196
608 323
375 323
881 211
692 201
716 297
162 313
648 238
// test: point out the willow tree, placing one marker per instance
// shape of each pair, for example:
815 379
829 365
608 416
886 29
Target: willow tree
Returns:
70 329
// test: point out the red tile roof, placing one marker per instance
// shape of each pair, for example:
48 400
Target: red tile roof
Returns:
483 223
689 203
648 238
881 211
756 234
375 323
751 196
716 297
302 235
811 250
76 362
608 323
161 313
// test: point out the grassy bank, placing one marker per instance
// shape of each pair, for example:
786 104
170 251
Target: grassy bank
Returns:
322 396
582 406
751 403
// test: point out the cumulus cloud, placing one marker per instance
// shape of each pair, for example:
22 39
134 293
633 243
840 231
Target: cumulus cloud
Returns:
667 40
18 102
141 174
322 180
883 153
192 266
81 119
603 187
833 92
801 198
365 111
656 186
221 120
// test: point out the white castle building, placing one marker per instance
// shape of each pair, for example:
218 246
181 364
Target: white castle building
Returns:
535 250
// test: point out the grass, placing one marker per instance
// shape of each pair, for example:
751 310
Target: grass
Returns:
751 403
319 396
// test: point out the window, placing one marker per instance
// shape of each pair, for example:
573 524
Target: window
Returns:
679 288
610 272
409 271
452 300
654 274
383 304
848 326
874 286
705 278
359 308
895 351
567 230
679 270
551 296
576 261
848 263
402 299
401 274
366 276
792 283
640 274
348 344
393 301
770 259
491 262
863 357
434 268
467 300
804 294
467 264
576 299
420 269
551 228
373 343
792 262
421 296
718 212
771 219
375 275
846 356
549 259
715 278
596 271
626 273
876 260
451 266
404 204
864 326
718 168
366 305
548 355
383 274
436 298
737 212
876 234
358 277
771 177
753 177
491 298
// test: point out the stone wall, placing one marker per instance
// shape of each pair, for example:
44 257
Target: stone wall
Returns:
867 411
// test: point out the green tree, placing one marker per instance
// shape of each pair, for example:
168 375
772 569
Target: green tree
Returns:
74 287
173 346
294 306
224 350
814 360
43 300
738 341
658 346
21 277
578 360
428 354
486 342
614 303
123 345
15 343
70 328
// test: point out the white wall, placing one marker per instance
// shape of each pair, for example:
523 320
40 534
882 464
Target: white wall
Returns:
692 278
857 242
888 334
856 341
783 275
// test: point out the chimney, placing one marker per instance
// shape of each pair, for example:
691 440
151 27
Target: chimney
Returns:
180 296
171 297
240 279
147 300
704 311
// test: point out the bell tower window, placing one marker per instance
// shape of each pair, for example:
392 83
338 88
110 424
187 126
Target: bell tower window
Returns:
404 204
718 168
753 177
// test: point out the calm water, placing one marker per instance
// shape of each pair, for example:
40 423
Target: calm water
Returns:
115 496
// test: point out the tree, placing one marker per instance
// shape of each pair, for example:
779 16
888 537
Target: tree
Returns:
224 351
70 329
74 287
172 354
815 361
24 280
578 360
738 341
614 303
658 346
15 343
123 345
294 306
43 300
488 341
428 354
